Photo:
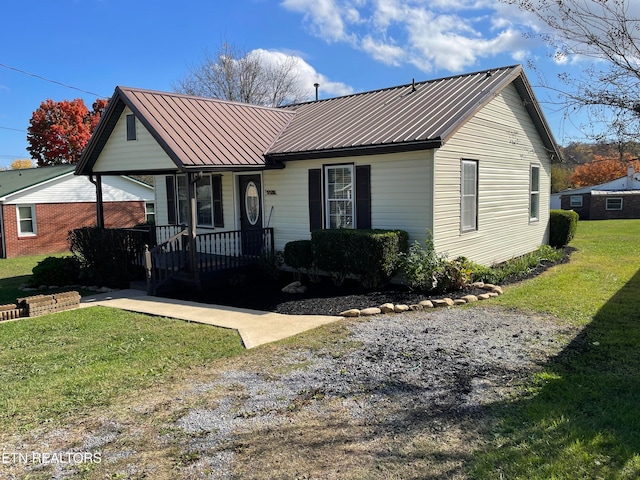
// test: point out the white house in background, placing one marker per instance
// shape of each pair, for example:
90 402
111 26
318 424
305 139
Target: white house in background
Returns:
619 198
38 207
466 157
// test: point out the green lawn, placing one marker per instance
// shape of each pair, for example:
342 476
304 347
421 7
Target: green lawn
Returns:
56 366
580 417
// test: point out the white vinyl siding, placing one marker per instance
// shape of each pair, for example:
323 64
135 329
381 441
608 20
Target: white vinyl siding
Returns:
26 215
73 189
469 196
503 138
121 155
401 194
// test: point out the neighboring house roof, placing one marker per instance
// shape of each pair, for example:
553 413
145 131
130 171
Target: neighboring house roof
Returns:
619 184
12 181
201 133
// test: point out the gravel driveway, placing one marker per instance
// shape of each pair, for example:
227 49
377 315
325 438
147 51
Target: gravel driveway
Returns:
398 396
415 372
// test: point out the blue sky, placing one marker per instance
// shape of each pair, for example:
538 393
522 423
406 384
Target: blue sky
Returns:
345 45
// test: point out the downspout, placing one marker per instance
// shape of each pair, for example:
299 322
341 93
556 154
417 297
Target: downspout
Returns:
99 207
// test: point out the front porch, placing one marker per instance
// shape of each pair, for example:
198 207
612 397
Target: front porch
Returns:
170 255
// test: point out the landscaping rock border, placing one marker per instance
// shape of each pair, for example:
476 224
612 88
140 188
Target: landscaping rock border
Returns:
492 291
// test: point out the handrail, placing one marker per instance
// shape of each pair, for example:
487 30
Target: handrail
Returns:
156 273
213 252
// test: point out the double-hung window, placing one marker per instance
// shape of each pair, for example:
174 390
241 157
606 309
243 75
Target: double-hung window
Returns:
208 200
26 220
534 192
469 196
339 196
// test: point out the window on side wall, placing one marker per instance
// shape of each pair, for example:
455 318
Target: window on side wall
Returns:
575 201
150 212
27 226
339 195
469 195
614 203
534 189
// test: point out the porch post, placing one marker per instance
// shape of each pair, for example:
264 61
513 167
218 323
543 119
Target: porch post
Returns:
191 224
99 206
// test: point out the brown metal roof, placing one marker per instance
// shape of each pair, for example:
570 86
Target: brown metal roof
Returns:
204 133
195 132
413 116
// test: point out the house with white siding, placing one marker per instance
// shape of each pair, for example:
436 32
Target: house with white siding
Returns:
38 207
465 157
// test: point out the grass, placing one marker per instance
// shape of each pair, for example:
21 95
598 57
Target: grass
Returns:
56 366
578 418
13 273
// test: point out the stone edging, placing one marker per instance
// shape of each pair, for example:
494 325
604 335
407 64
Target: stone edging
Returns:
492 291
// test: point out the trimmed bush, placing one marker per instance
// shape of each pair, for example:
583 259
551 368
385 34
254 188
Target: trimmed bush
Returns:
56 271
373 256
562 227
298 254
107 256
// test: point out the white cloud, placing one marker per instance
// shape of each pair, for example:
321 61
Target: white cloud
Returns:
430 34
327 18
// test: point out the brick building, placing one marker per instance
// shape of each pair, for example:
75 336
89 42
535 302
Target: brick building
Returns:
38 207
619 198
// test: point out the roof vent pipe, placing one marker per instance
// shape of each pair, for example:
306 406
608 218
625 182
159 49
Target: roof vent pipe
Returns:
316 85
413 84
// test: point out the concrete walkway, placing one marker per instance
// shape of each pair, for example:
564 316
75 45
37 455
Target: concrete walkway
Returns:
255 327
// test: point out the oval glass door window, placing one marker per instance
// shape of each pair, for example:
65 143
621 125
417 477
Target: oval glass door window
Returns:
252 203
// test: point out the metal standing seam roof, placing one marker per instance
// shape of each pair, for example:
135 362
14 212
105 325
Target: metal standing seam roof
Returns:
195 132
421 115
12 181
206 133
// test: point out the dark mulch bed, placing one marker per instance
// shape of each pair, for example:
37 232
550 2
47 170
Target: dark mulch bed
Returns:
254 291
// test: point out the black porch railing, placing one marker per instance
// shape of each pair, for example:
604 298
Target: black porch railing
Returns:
214 252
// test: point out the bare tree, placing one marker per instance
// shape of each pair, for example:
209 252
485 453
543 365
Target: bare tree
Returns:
248 77
607 32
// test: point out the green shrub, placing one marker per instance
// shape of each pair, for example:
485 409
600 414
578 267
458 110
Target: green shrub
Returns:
373 256
107 256
56 271
298 254
422 267
562 227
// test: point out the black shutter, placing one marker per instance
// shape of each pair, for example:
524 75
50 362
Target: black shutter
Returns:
363 196
315 199
218 220
171 199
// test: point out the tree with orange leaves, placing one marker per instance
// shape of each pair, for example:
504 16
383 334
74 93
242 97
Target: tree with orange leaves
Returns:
603 169
59 131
